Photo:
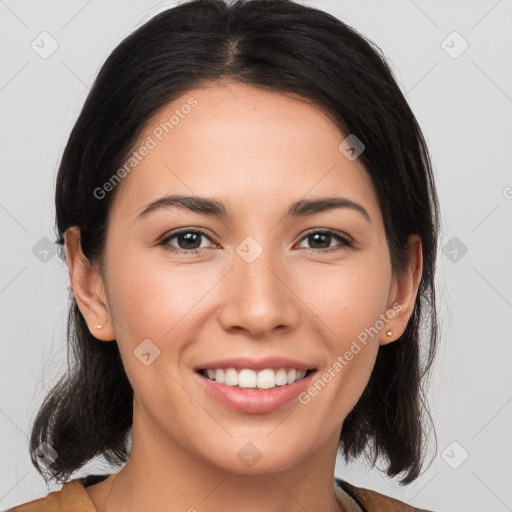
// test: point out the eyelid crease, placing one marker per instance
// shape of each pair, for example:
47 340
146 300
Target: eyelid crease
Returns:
345 240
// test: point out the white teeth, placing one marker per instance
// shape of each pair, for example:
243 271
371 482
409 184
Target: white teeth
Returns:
246 378
281 377
266 379
231 377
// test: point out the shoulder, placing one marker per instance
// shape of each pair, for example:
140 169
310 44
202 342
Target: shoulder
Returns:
373 501
72 497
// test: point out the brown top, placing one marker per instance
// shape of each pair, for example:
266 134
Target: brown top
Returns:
73 497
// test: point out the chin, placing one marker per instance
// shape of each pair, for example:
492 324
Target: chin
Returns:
251 458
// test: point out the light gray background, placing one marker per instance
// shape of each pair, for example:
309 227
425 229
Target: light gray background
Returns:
464 106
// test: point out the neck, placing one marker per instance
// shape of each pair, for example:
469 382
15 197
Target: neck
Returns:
161 473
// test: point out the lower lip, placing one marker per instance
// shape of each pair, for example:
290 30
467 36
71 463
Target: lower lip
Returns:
255 401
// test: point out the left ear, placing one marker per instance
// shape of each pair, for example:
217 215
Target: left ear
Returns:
402 297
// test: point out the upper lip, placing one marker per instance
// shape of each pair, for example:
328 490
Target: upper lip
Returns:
240 363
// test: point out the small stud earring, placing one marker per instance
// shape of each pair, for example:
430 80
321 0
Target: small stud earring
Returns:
99 326
389 333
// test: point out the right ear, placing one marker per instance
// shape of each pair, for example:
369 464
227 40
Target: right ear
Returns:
88 288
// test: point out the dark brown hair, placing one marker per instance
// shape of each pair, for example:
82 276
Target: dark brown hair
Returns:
280 46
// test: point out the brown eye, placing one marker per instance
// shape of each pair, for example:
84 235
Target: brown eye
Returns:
321 240
187 240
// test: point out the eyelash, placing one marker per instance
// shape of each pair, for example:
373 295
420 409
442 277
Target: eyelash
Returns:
345 242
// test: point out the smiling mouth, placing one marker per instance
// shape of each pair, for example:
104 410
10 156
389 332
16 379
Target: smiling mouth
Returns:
246 378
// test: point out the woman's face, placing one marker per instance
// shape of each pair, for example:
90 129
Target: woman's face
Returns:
264 283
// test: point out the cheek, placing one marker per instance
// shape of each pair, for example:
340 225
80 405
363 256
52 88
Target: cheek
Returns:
348 298
156 302
349 301
151 298
164 302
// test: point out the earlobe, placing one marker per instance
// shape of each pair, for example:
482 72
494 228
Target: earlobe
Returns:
404 293
88 288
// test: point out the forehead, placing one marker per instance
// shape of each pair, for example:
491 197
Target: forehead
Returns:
242 144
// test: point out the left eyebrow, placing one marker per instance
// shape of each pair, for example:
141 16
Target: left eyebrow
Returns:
216 208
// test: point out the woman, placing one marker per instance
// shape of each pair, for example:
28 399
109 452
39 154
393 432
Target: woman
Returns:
250 222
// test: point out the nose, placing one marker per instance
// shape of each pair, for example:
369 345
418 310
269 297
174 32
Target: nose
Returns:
259 297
